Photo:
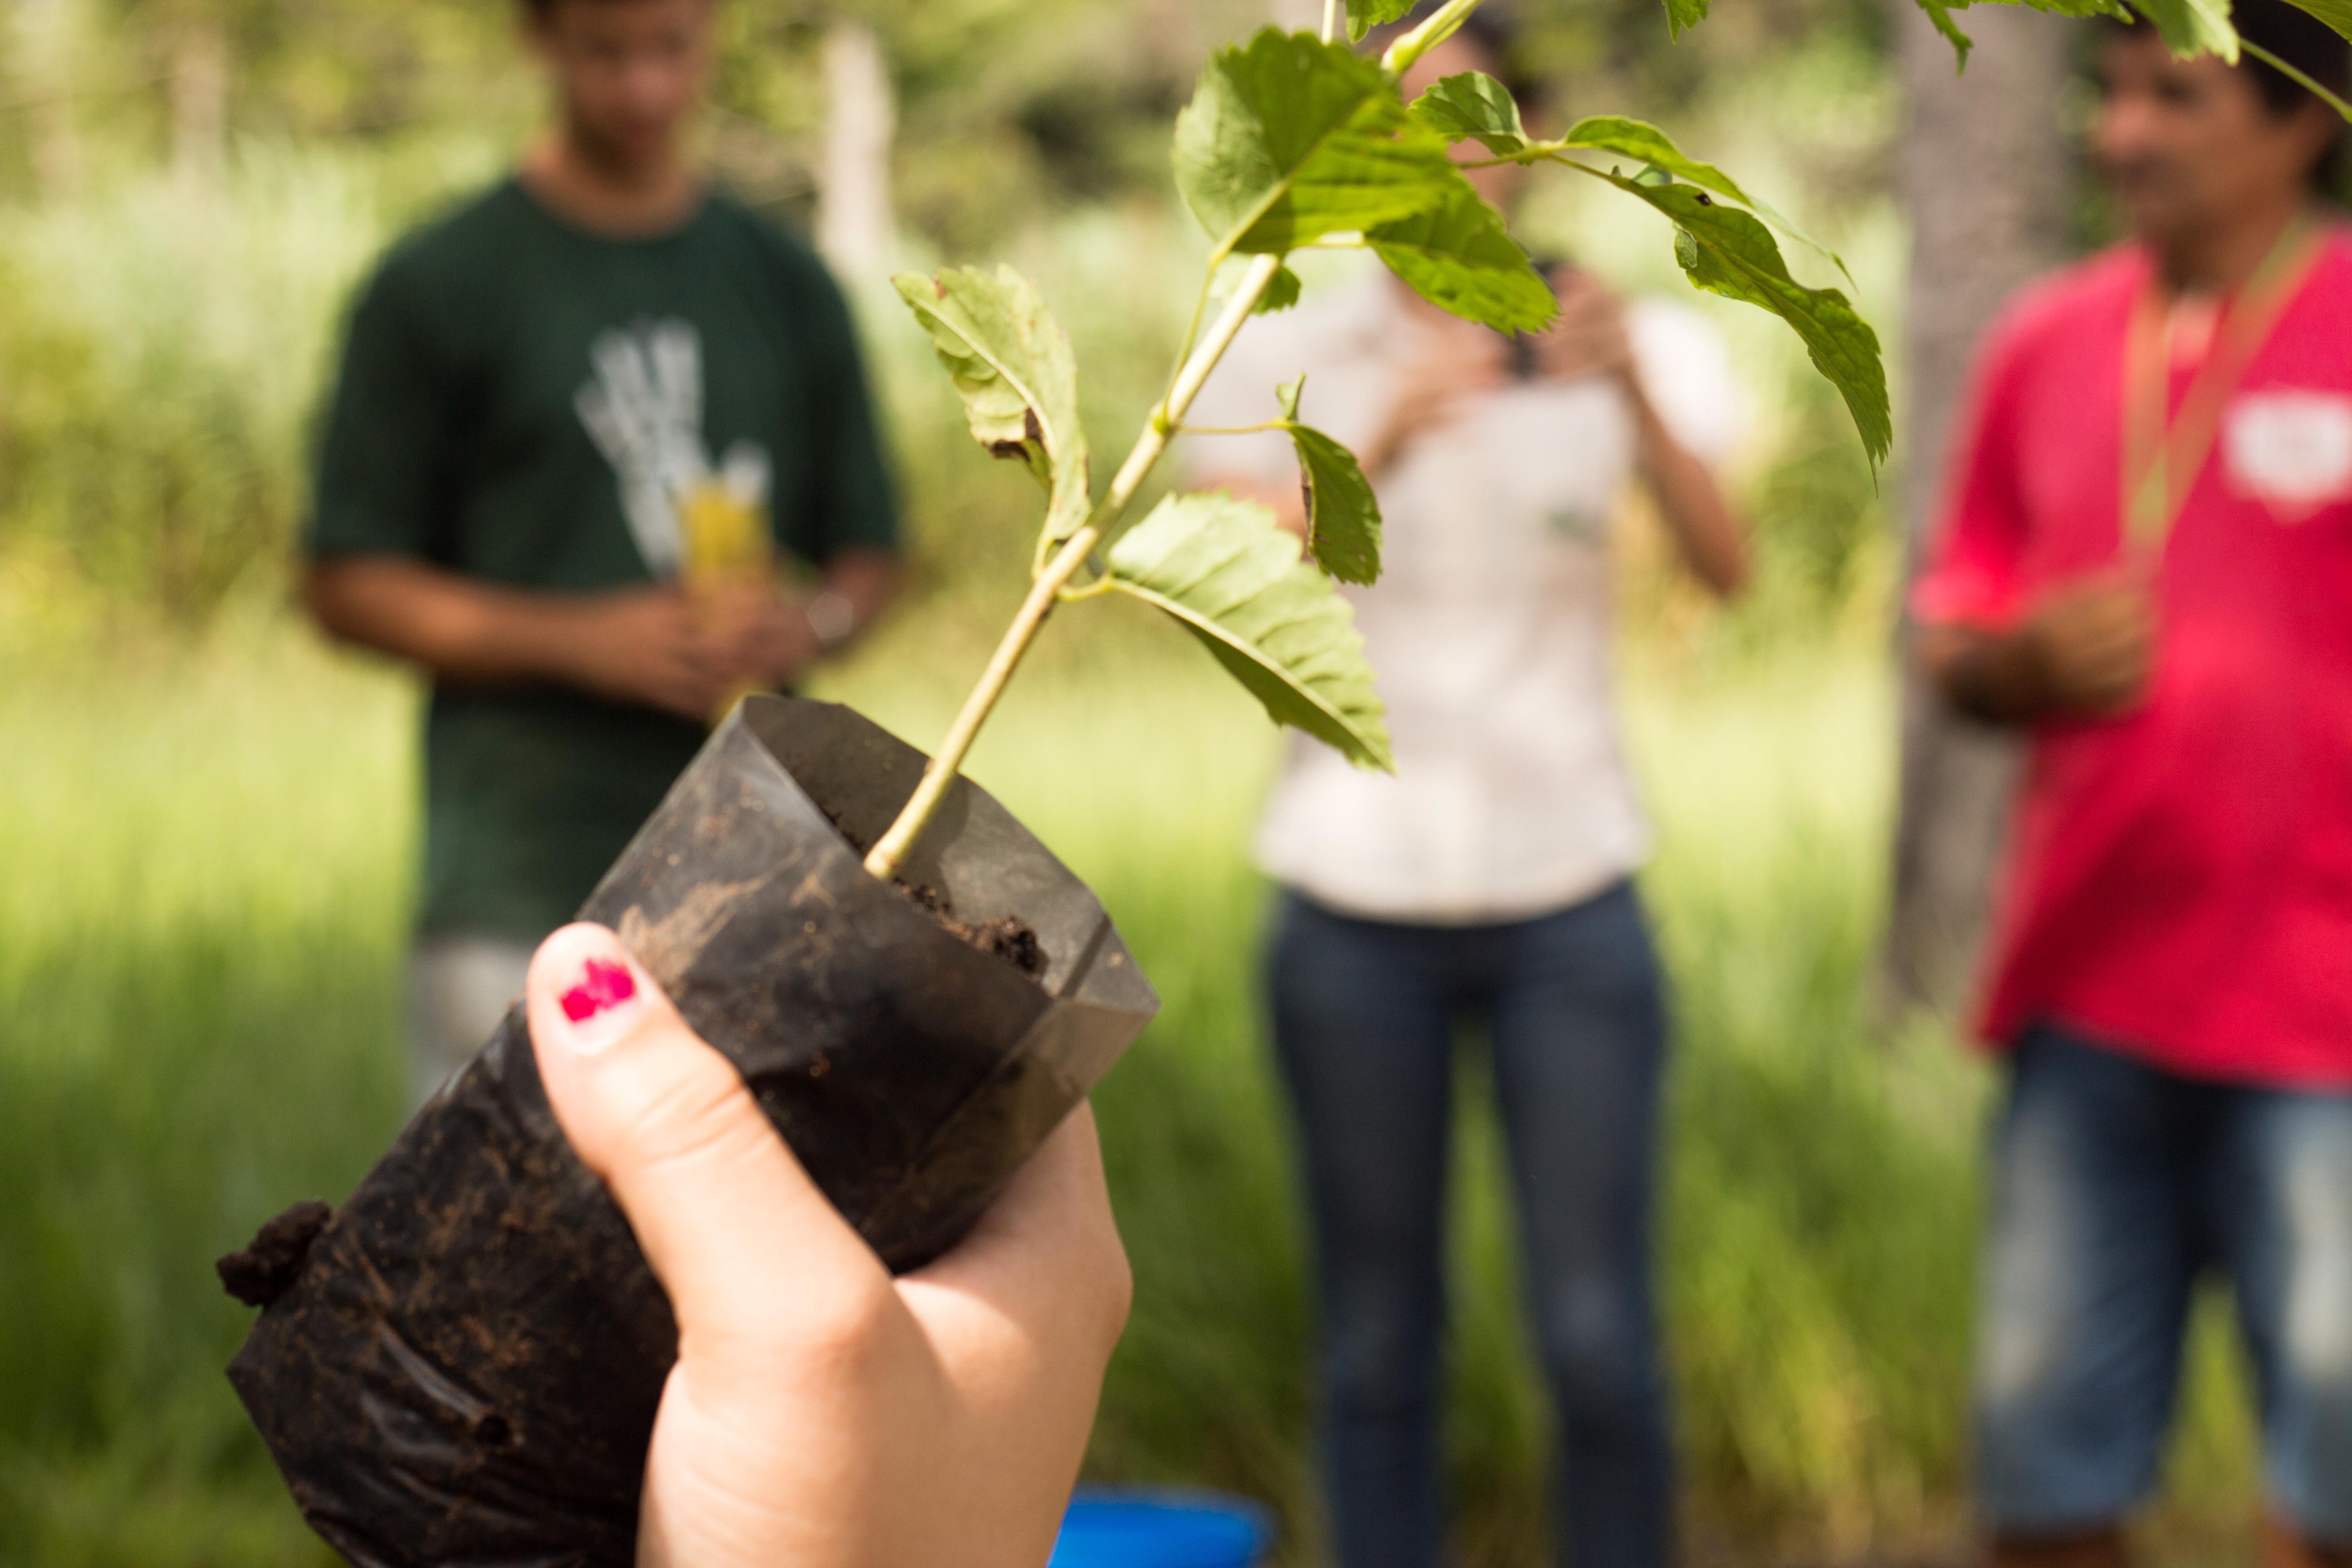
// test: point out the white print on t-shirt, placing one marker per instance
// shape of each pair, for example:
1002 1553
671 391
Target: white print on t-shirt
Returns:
643 408
2290 450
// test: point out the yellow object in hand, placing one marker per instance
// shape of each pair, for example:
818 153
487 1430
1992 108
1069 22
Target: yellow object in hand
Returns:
728 546
727 537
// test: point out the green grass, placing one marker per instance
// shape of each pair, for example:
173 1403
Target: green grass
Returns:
200 936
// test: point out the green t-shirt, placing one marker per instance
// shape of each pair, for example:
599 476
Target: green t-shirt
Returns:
527 402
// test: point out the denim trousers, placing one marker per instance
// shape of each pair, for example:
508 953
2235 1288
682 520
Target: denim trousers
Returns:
2117 1186
1365 1015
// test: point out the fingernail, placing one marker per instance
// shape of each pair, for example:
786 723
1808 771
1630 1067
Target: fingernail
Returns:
600 1005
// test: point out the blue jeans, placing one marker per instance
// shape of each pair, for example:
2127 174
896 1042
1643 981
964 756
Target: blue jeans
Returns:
1364 1015
2116 1187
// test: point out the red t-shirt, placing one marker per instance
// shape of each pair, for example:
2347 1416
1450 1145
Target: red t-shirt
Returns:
2181 878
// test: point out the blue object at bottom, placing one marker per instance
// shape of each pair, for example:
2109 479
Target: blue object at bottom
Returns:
1160 1529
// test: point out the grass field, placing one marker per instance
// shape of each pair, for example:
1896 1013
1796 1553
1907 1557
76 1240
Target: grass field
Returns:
200 930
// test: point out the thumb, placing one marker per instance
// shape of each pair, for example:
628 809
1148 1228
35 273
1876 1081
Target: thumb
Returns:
732 1224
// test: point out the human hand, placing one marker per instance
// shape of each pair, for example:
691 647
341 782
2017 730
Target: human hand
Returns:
648 647
2088 649
761 637
1590 336
2090 645
821 1413
1453 362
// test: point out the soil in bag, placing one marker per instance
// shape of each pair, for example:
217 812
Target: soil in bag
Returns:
1009 937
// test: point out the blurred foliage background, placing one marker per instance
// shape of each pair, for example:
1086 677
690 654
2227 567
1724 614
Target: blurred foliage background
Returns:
189 187
207 817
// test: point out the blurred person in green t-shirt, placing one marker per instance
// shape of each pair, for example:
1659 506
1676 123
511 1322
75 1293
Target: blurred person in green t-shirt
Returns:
578 421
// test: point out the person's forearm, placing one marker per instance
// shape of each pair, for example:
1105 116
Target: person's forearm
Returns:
1712 542
457 629
1380 454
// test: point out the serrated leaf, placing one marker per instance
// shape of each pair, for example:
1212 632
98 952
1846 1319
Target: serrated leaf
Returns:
1473 105
1288 139
1684 14
1234 580
1343 516
1725 251
1639 139
1364 16
1459 257
2193 26
1280 294
1013 369
2076 8
1940 14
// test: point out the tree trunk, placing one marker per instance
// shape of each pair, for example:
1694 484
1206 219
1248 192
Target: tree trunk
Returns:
1987 178
199 94
854 226
47 31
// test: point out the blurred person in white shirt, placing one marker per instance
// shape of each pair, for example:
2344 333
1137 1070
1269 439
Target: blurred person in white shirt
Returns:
1488 881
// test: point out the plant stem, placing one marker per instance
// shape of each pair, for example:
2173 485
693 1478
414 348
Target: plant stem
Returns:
1330 20
1427 37
2302 80
891 850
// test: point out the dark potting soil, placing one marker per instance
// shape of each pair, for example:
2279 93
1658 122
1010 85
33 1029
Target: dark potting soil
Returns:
264 1271
1009 937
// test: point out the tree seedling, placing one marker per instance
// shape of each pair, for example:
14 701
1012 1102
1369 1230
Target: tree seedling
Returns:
1292 142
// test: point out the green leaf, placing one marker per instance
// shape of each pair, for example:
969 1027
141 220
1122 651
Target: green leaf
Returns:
1728 252
2077 8
1280 294
1473 105
2337 13
1639 139
1460 257
1234 580
1013 369
1364 16
1940 14
1343 516
1684 14
2193 26
1289 139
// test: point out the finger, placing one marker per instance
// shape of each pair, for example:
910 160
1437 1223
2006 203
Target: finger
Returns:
1047 1254
730 1222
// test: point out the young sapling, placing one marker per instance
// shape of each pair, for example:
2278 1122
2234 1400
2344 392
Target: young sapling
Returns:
1292 142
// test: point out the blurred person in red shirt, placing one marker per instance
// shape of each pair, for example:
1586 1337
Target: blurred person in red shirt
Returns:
2146 563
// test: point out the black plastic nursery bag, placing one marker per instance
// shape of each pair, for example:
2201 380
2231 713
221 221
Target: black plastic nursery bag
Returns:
466 1365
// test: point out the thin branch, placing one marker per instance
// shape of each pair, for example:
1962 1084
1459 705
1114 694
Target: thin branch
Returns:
2247 45
1440 27
892 851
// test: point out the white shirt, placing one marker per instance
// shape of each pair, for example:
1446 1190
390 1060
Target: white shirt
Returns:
1490 631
